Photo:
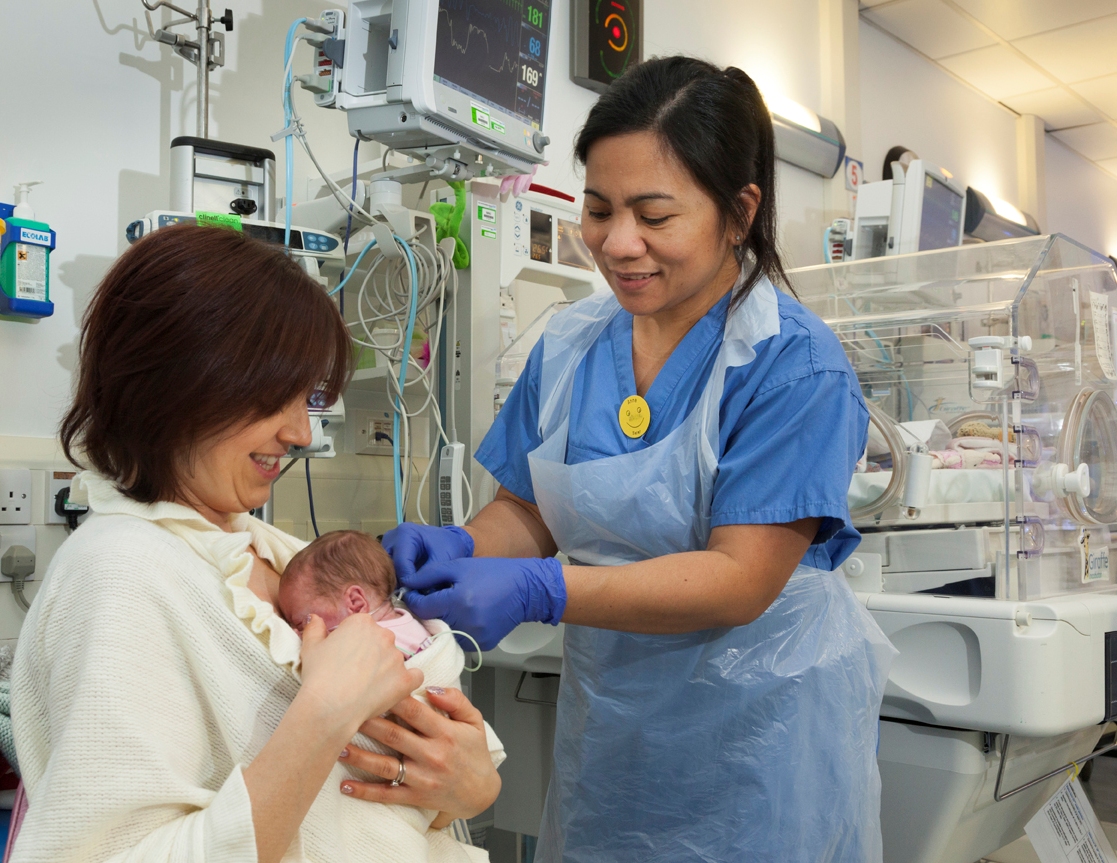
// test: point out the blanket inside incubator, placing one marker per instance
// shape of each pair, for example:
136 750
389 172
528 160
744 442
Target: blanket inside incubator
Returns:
967 465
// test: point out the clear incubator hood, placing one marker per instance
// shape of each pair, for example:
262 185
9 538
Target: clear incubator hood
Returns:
990 378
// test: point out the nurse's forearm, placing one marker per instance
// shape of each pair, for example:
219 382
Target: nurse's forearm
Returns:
510 527
731 583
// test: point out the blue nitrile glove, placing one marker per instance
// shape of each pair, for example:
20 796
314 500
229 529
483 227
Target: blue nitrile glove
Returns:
488 597
412 545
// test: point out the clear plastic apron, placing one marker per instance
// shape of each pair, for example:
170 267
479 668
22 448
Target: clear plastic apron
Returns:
749 743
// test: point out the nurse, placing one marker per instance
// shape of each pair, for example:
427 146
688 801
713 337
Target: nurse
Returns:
687 441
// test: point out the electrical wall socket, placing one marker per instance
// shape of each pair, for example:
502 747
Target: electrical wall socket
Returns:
369 422
15 496
19 535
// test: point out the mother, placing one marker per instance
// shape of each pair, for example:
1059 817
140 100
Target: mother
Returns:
156 696
688 442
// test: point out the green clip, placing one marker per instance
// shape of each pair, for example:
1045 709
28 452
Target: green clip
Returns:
448 222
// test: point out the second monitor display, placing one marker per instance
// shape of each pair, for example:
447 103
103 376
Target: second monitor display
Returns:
496 52
940 224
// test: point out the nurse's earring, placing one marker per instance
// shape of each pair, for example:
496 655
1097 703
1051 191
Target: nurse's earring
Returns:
738 240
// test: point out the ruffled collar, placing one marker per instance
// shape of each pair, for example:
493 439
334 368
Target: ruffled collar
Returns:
226 551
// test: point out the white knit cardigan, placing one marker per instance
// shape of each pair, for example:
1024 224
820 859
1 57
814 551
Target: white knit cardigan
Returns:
147 676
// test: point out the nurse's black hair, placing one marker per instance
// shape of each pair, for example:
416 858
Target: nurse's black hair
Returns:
716 124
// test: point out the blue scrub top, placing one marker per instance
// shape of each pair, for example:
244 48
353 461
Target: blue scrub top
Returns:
793 422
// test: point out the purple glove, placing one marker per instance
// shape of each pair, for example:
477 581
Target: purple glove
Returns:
488 597
412 545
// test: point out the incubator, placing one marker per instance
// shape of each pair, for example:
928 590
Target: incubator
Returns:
989 375
986 500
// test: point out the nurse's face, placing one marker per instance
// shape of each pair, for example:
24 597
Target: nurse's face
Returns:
653 231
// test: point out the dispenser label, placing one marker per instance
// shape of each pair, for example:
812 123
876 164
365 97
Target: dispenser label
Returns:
31 272
41 238
1103 336
1066 829
1093 557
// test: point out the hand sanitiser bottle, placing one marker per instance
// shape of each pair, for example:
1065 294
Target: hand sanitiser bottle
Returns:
25 247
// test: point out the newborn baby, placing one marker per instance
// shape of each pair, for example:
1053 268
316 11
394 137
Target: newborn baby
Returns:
347 572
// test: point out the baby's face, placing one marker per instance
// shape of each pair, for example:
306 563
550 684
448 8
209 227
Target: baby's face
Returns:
297 599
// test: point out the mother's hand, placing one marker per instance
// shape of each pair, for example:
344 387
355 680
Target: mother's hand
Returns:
447 761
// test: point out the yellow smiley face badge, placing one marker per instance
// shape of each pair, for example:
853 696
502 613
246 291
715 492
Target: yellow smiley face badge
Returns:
635 416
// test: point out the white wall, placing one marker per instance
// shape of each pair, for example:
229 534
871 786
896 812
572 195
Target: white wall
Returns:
778 45
906 100
100 143
1081 199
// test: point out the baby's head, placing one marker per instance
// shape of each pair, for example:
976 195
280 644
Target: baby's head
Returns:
341 573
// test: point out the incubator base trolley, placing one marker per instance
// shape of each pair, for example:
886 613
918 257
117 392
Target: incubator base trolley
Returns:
987 501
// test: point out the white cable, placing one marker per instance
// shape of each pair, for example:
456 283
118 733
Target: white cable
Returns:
433 271
299 133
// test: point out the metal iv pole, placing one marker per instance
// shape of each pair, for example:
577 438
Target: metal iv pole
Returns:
207 52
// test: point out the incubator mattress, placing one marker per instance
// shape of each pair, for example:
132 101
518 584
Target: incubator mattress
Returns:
947 487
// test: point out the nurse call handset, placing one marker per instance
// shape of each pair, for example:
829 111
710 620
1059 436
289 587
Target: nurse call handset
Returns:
450 465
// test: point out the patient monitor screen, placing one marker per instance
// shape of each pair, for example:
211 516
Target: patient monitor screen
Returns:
495 51
941 223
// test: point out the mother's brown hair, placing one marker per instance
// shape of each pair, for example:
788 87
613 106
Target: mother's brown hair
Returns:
193 332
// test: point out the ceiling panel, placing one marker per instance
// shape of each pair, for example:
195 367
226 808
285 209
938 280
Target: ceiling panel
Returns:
929 26
1096 142
1075 53
1058 108
997 71
1017 18
1072 43
1102 93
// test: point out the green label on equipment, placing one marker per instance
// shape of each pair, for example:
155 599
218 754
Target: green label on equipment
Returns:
218 220
488 232
485 213
497 126
481 117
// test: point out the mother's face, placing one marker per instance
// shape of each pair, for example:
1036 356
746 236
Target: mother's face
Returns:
233 472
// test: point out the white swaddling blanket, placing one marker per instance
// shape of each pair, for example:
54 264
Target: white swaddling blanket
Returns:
441 663
148 675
